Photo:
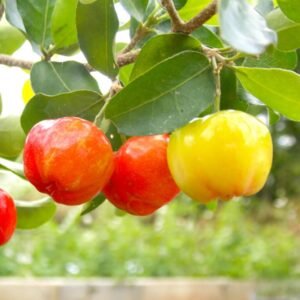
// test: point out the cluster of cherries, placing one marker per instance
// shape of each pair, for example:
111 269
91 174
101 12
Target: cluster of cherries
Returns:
223 155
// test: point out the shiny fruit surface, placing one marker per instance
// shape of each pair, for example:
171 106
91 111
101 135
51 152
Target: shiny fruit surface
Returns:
8 217
222 155
68 158
141 182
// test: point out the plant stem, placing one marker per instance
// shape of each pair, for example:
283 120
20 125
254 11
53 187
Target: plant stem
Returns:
217 73
178 25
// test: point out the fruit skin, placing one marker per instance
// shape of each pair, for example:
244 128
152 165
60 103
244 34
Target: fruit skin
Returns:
68 158
141 182
8 217
222 155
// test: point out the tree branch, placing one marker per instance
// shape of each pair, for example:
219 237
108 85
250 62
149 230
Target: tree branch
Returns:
177 23
122 60
14 62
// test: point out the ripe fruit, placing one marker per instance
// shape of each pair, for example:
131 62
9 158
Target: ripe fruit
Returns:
68 158
141 182
223 155
8 217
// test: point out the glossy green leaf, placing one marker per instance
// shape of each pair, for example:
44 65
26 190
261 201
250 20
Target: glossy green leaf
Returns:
114 137
52 78
273 116
273 58
291 9
125 73
36 16
243 28
12 166
158 101
193 7
180 3
161 47
63 29
13 16
207 37
288 31
11 39
136 8
93 204
12 136
33 214
97 25
84 104
277 88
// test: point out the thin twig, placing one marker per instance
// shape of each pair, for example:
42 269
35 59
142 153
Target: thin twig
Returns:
140 33
122 59
14 62
207 13
177 23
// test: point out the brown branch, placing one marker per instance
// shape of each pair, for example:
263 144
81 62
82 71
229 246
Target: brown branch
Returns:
179 26
14 62
177 22
141 32
122 60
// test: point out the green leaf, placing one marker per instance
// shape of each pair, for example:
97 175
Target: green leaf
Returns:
136 9
12 136
125 73
273 58
207 37
36 17
161 47
11 39
12 166
164 98
277 88
33 214
93 204
83 104
273 116
291 9
193 7
97 25
114 137
63 29
243 28
180 3
13 16
288 31
52 78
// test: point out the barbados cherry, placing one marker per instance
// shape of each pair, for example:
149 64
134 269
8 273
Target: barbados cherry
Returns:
222 155
8 217
141 182
68 158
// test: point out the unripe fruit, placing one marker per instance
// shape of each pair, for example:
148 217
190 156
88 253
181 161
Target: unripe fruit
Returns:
141 182
8 217
68 158
222 155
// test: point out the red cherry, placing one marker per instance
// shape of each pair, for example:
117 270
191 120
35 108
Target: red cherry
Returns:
8 217
141 182
68 158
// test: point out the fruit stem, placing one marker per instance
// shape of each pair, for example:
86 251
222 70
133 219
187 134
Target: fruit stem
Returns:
217 70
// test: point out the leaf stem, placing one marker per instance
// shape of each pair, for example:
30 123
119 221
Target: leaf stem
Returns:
217 73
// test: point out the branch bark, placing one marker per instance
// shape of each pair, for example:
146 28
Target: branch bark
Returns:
177 23
122 60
